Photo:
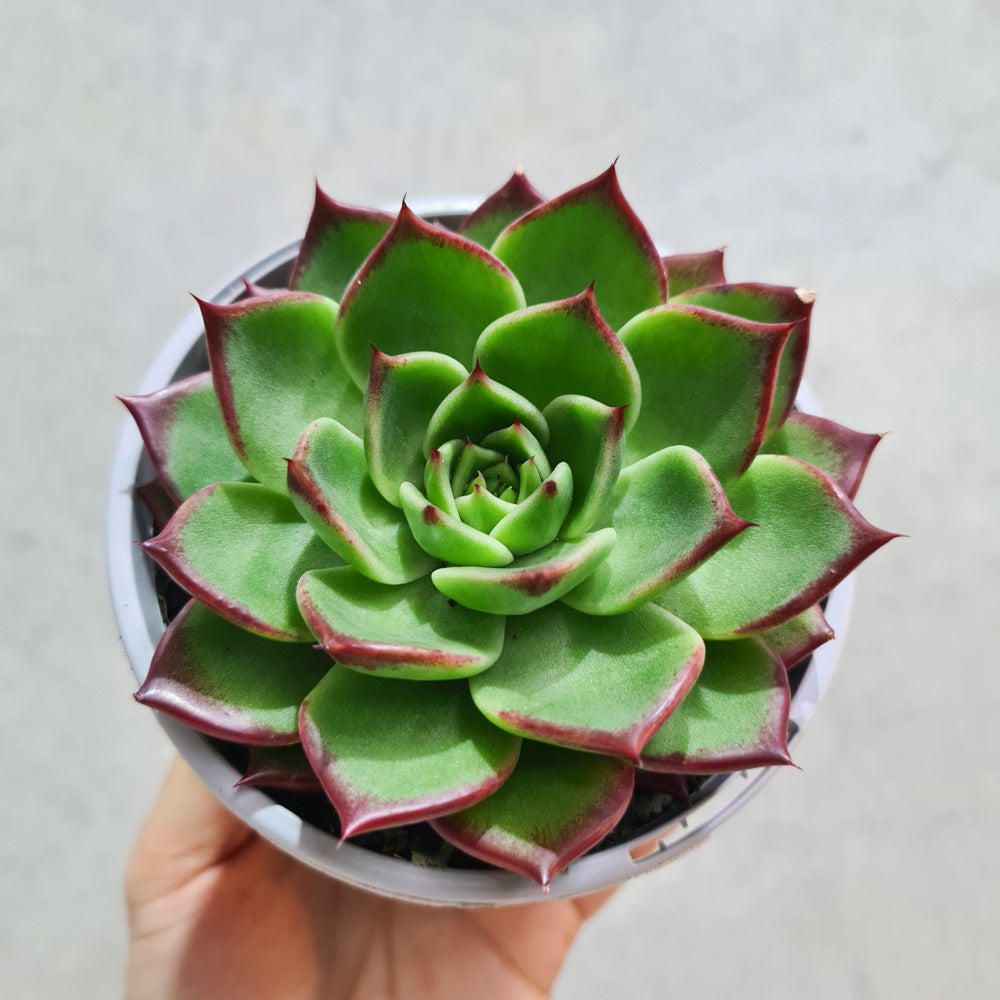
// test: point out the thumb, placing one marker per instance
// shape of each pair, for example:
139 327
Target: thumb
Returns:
187 831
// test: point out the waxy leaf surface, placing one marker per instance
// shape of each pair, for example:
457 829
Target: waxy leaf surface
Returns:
767 304
561 348
707 381
445 537
408 631
735 716
529 582
422 288
479 406
588 437
692 270
670 514
799 636
807 537
185 436
337 241
501 208
841 453
589 235
240 548
276 369
599 684
227 682
390 752
555 806
329 484
402 394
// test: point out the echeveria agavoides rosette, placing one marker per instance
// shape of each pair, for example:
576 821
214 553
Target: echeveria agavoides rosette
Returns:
491 527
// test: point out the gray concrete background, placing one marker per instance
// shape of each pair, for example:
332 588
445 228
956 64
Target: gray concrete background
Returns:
151 149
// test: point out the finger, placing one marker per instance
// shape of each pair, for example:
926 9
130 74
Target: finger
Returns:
587 906
187 831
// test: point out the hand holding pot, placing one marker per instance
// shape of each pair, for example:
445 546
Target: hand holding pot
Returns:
216 911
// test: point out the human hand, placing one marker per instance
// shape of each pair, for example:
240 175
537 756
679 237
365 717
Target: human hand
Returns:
218 913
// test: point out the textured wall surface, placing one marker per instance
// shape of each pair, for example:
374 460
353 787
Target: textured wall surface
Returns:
152 149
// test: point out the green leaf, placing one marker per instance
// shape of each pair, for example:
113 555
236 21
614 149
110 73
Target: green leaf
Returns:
561 348
437 476
276 369
240 548
735 716
589 235
478 406
228 683
599 684
481 510
390 752
798 637
808 537
670 514
403 393
445 537
528 583
471 460
519 444
409 631
536 520
500 209
328 483
768 304
554 807
185 436
692 270
841 453
588 437
422 289
707 381
337 241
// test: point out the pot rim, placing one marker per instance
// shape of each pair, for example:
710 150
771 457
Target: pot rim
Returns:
137 612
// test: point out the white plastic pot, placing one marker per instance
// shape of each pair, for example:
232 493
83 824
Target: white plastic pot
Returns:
141 624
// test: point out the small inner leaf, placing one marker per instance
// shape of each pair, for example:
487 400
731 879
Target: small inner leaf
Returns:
588 436
403 393
528 583
445 537
536 520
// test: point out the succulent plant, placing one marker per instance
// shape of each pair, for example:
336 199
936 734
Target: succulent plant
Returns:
478 526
